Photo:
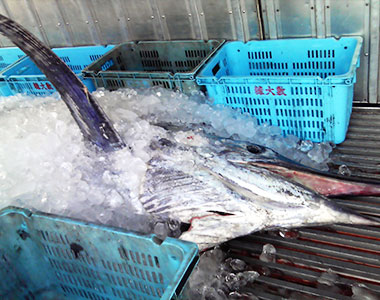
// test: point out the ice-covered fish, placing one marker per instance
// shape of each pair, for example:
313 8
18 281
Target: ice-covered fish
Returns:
208 183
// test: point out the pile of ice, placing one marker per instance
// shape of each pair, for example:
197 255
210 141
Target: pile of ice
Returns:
161 105
45 164
219 278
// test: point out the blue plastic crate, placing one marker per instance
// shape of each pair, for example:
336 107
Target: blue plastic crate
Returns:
7 57
25 77
42 254
4 88
304 86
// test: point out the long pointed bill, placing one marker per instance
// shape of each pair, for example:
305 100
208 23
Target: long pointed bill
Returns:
91 119
321 182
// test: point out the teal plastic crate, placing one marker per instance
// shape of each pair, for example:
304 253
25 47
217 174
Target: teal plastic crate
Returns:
7 57
170 64
304 86
25 77
44 255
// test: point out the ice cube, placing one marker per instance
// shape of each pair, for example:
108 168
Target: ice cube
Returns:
211 294
328 278
115 199
288 233
316 154
326 147
361 292
268 254
344 170
105 217
161 230
305 145
207 267
291 141
237 264
249 276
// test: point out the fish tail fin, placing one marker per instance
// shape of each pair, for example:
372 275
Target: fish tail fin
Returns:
92 121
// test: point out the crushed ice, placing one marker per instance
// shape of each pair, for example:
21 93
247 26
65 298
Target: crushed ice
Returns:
217 277
45 165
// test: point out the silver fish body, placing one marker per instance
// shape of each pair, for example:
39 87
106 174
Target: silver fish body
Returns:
222 198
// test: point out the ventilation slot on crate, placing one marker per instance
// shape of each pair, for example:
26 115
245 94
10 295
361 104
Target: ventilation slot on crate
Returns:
76 67
321 53
164 84
65 59
259 55
158 64
95 57
149 54
195 53
113 84
108 64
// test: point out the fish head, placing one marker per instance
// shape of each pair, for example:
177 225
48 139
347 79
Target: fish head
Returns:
249 153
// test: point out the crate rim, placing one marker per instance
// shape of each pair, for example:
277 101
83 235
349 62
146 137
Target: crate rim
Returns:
88 73
4 49
334 79
27 212
25 57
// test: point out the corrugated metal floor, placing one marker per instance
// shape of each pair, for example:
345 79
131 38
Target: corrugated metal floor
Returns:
360 152
304 255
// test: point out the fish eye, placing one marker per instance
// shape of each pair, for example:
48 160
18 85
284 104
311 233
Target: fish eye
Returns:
165 142
255 149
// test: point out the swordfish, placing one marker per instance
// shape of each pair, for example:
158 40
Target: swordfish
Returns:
207 185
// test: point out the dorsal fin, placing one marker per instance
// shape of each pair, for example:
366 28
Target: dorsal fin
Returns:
91 119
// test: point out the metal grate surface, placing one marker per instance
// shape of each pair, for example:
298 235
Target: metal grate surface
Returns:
361 150
304 255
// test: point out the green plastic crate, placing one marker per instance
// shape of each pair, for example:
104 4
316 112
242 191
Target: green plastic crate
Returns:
170 64
44 255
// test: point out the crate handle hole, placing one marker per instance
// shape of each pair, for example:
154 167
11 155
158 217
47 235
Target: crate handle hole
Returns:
216 69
